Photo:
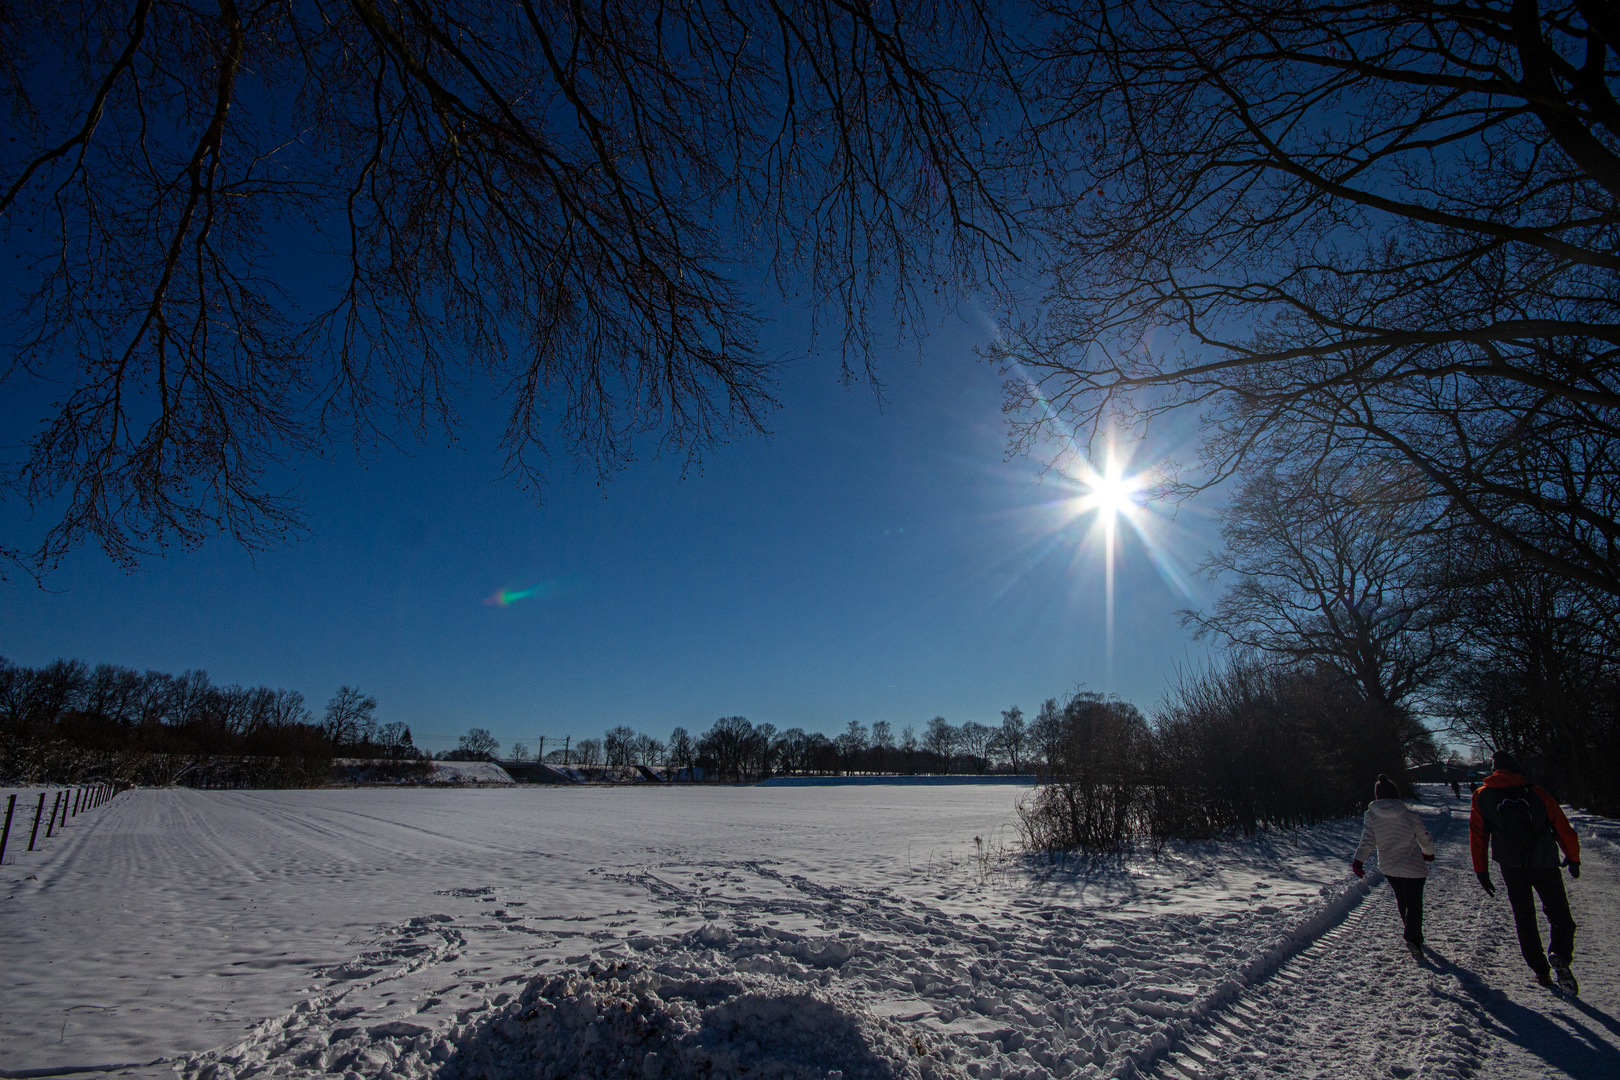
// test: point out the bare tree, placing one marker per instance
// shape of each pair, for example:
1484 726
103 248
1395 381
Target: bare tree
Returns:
350 716
975 739
940 739
1539 676
1387 229
682 752
619 745
1321 569
476 745
588 752
239 233
731 744
1013 736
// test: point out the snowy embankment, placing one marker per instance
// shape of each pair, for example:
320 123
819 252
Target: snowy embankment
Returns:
644 932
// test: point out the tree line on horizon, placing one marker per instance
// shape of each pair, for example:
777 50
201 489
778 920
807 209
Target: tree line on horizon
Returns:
51 716
112 710
735 748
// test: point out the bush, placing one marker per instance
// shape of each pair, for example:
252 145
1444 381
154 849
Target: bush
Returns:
1244 748
1091 789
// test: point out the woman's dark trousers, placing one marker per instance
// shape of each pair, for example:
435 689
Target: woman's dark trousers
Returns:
1523 885
1409 901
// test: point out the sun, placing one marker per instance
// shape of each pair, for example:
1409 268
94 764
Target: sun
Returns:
1113 495
1110 493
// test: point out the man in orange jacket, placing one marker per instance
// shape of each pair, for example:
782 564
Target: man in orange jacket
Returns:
1527 828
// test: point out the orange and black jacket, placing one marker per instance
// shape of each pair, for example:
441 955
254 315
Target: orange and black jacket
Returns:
1482 819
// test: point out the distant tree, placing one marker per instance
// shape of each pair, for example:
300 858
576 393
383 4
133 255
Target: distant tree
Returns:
350 715
883 746
730 743
682 751
478 745
1013 735
588 752
974 739
762 750
619 746
394 739
152 716
788 749
940 740
852 744
648 751
1045 733
908 747
519 752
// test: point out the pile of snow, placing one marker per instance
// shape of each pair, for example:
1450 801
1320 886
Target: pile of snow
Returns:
642 1026
468 772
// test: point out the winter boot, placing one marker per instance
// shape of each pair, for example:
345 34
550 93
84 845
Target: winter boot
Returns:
1544 978
1566 977
1415 949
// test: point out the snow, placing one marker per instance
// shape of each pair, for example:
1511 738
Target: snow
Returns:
657 932
468 772
1355 1004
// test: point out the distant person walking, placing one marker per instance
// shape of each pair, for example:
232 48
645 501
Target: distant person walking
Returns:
1405 850
1527 828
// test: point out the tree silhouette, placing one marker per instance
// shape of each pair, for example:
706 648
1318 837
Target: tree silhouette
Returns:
1390 230
240 233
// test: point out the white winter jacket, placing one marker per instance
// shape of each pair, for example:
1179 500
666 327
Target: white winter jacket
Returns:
1396 831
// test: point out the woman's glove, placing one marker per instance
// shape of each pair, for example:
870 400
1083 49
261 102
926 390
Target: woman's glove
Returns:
1485 882
1574 869
1361 871
1427 858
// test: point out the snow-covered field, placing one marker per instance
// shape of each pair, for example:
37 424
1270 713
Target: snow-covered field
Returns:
835 933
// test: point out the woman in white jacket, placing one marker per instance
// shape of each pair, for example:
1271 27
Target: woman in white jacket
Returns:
1405 851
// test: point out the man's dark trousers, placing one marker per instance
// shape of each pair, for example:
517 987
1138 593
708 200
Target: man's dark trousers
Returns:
1548 883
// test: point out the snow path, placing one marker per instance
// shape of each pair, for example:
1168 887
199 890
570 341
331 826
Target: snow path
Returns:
658 934
1356 1005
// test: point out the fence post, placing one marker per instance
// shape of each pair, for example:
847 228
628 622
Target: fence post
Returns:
77 792
50 822
5 833
38 810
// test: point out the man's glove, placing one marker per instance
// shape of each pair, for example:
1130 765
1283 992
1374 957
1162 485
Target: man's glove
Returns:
1427 858
1574 869
1485 882
1360 871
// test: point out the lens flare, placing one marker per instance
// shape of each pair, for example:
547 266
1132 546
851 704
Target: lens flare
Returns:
508 597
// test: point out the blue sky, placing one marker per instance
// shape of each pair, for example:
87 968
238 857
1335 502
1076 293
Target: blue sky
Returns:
864 562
